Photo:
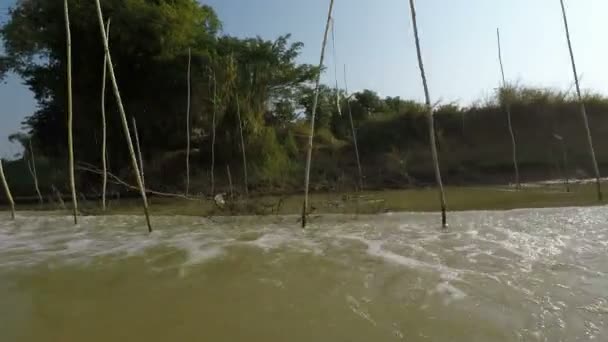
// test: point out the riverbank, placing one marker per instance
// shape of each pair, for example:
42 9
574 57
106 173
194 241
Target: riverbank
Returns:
414 200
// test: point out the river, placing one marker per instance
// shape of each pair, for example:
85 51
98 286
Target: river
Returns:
522 275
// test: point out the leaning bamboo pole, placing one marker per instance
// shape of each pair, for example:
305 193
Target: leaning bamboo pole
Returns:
32 166
138 150
429 108
188 125
123 115
7 191
583 110
313 114
104 132
507 102
353 132
68 36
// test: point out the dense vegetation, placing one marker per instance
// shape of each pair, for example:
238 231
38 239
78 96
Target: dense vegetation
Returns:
150 40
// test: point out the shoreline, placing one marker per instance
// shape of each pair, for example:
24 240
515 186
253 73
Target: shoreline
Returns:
422 200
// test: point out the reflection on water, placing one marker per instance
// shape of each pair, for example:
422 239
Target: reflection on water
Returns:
524 275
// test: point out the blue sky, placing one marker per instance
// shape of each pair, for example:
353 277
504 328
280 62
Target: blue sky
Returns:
374 39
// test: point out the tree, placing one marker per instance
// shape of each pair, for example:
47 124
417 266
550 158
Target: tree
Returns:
369 100
149 51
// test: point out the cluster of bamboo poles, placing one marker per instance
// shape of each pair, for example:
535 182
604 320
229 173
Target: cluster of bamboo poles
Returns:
137 160
430 115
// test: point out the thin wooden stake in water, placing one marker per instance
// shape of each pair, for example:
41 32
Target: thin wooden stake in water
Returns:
230 182
312 118
582 107
212 74
7 191
123 116
244 154
70 113
32 167
508 109
430 118
562 145
139 156
188 126
354 133
104 132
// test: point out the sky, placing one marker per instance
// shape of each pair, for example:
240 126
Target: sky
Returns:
374 39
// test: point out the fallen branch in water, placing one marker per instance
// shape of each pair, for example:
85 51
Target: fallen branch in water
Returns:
118 181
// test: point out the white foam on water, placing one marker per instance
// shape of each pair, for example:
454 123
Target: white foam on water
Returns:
546 265
374 248
451 292
276 238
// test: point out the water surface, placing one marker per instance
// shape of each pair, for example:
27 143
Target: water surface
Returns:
523 275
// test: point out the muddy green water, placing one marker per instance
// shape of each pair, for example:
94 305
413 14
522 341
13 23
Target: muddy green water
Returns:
524 275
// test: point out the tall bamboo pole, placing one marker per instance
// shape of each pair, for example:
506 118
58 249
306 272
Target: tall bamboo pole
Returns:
7 191
508 109
123 116
244 154
104 132
70 113
350 113
212 74
32 166
582 106
312 119
188 125
354 132
430 118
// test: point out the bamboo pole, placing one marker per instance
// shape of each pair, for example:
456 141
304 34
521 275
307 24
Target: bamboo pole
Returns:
354 133
312 119
508 110
565 162
212 74
123 116
582 107
230 181
104 135
70 112
430 117
244 154
350 113
32 167
564 150
138 149
188 126
7 191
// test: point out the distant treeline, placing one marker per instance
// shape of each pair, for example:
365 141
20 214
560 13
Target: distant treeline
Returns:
260 79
